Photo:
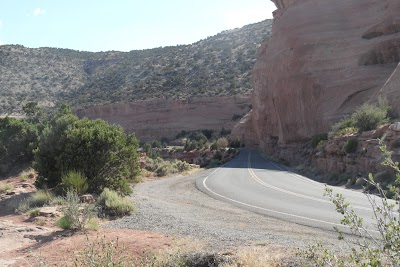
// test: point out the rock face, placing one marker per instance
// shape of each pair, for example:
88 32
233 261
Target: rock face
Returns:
155 119
366 158
325 58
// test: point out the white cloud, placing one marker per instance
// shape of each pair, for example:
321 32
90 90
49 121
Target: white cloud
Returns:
1 42
39 11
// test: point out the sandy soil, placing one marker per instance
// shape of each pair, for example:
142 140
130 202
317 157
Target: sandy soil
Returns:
23 242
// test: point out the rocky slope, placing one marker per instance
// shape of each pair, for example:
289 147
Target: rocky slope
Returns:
216 66
324 59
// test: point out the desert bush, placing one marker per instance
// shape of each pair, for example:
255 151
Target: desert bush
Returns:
207 133
5 187
181 166
18 139
75 181
234 143
103 253
101 152
339 126
224 132
222 143
34 212
200 138
162 167
368 117
64 223
182 134
316 139
156 144
347 131
27 174
381 250
40 198
214 146
112 204
351 146
76 215
163 170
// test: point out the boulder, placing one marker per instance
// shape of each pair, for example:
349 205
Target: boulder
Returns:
87 198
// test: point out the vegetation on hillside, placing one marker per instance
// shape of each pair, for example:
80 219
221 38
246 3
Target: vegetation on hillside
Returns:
217 65
379 249
365 118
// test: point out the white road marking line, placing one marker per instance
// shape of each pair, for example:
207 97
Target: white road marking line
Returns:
258 180
264 209
270 210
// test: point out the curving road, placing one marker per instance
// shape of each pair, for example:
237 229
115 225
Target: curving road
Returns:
254 183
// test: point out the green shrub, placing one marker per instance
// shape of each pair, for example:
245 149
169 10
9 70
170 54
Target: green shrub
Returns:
5 187
368 117
162 167
18 139
224 132
93 224
103 153
156 144
316 139
347 131
64 223
339 126
163 170
351 146
114 205
234 143
181 166
321 144
76 215
34 213
75 181
222 143
214 146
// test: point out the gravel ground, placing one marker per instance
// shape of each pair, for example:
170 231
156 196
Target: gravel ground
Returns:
174 206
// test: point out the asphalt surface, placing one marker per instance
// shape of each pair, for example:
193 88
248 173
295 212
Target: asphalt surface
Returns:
256 184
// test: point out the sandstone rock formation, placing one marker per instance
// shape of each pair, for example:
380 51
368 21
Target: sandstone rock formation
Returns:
332 157
325 58
155 119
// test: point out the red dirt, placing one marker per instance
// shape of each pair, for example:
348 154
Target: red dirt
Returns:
24 243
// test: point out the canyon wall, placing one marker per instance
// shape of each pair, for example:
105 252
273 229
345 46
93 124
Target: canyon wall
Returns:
324 59
155 119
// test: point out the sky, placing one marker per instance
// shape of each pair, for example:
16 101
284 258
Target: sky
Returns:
123 25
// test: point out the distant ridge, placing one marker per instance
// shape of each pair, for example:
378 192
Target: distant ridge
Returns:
217 65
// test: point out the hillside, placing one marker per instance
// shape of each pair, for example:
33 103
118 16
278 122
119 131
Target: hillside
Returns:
216 66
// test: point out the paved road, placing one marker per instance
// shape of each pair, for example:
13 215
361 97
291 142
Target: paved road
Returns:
254 183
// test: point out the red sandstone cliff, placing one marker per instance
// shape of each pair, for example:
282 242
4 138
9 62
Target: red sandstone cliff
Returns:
154 119
324 59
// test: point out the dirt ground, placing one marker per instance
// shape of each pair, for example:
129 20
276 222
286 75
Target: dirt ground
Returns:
25 241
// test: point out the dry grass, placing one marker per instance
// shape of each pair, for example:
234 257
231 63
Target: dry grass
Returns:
5 187
27 174
260 257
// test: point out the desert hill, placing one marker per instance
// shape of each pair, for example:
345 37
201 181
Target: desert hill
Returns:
216 66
